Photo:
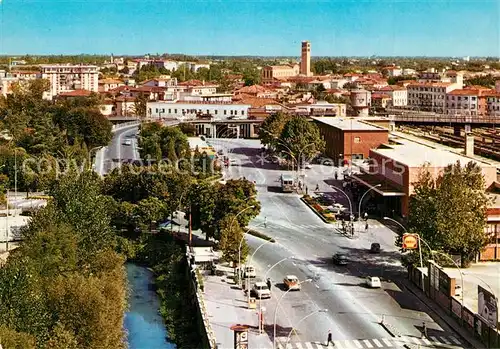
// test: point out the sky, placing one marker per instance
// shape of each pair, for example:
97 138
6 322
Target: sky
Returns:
251 27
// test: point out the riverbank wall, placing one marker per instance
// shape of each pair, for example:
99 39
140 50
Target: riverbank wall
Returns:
197 293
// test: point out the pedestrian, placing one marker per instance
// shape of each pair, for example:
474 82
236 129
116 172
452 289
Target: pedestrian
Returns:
366 216
269 284
265 222
366 226
336 175
424 329
307 190
317 187
329 338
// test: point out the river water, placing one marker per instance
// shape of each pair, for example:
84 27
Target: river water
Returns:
143 322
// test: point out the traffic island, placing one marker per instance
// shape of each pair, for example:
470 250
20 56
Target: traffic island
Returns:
326 215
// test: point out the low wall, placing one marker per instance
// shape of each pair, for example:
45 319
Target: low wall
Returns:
464 317
206 332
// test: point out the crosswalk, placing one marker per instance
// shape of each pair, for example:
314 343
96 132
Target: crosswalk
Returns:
392 342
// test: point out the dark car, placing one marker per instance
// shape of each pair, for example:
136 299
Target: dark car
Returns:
375 248
340 259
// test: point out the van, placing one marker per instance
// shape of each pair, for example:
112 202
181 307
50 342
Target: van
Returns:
373 282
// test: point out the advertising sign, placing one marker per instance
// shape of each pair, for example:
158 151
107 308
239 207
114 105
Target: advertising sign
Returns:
240 336
410 241
487 306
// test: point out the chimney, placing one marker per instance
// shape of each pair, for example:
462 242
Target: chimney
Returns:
469 144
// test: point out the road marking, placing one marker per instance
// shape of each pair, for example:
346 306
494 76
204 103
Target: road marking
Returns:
358 344
309 345
299 346
456 341
445 340
377 343
428 342
347 344
338 344
387 342
367 343
415 340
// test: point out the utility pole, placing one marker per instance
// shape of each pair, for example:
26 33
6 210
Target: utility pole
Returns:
190 227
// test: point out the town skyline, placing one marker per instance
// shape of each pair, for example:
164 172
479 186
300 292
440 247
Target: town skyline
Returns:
235 28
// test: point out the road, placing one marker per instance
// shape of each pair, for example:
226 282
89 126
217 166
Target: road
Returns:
354 311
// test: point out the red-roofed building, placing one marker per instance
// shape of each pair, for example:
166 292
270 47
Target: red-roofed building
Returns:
380 100
398 94
104 85
75 94
468 101
271 72
257 91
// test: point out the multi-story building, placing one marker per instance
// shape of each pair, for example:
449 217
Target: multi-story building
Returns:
272 72
305 62
189 110
493 103
429 96
398 94
393 71
109 84
349 139
67 77
468 101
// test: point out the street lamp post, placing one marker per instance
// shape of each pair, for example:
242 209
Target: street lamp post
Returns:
300 321
239 253
363 196
277 307
350 206
90 154
250 262
420 240
265 279
459 270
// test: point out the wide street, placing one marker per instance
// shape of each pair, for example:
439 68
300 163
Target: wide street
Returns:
354 311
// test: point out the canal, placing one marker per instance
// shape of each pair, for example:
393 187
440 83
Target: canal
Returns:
143 322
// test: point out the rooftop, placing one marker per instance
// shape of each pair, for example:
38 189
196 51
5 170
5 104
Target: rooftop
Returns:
347 124
416 154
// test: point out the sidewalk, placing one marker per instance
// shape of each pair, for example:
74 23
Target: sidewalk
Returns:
226 305
437 310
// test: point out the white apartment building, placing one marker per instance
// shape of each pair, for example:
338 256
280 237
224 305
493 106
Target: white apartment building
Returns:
429 96
189 110
393 71
67 77
398 94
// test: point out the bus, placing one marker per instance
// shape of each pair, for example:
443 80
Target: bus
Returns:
287 184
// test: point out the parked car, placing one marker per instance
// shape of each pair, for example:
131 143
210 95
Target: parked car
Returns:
260 290
340 259
292 283
307 166
373 282
375 248
127 142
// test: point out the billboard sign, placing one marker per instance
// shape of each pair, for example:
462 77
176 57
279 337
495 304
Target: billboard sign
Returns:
487 306
410 241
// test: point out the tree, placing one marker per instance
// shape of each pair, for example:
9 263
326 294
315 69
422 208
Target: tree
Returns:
231 237
450 212
272 127
461 210
300 139
188 129
141 105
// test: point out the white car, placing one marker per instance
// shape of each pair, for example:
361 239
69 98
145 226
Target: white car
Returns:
260 290
127 142
292 283
373 282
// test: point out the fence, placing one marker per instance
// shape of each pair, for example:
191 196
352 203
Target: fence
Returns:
473 323
204 322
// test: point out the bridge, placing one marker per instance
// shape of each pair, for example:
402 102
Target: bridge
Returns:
444 119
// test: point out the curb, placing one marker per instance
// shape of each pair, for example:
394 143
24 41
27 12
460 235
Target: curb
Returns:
386 327
316 212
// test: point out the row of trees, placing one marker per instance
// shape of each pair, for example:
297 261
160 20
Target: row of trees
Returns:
293 136
141 198
65 286
39 135
449 211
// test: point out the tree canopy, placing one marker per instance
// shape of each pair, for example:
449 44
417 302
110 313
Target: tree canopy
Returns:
450 212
